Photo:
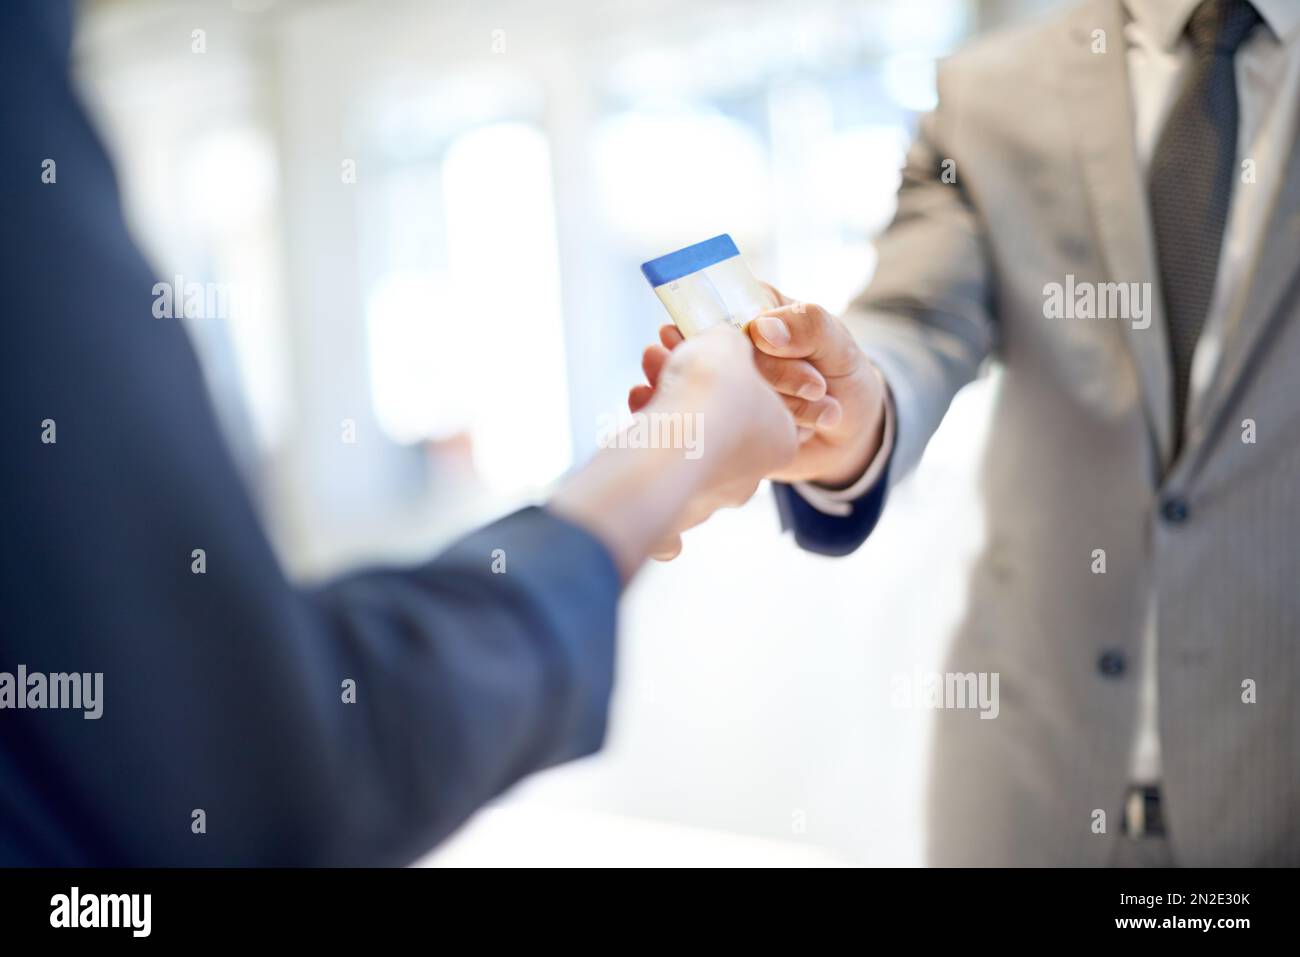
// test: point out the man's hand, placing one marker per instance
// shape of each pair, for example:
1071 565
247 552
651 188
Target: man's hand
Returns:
832 390
639 500
746 434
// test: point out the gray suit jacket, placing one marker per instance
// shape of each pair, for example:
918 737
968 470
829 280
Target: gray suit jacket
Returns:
1081 458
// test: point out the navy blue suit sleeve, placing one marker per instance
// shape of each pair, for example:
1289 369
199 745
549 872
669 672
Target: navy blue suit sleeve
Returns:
226 692
833 535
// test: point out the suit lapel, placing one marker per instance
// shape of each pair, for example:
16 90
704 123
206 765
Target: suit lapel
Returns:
1101 116
1275 271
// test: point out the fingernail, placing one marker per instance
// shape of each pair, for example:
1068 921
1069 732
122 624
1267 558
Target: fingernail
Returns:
805 434
812 391
829 418
773 330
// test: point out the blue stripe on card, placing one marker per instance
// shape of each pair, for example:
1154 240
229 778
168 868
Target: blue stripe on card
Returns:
689 260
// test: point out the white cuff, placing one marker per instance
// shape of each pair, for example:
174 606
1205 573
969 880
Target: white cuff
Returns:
839 501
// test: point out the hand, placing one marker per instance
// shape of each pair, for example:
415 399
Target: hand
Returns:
745 432
833 391
637 497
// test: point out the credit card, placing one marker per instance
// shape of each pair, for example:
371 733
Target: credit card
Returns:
707 285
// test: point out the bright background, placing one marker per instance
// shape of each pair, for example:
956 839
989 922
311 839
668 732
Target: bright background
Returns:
472 303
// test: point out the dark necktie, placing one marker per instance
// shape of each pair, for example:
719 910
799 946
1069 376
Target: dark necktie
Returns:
1190 181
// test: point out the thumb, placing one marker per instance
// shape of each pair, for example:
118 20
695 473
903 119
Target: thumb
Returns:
805 331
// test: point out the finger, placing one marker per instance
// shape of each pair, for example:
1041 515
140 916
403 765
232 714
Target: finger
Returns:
668 549
670 336
805 331
652 363
796 377
823 414
638 397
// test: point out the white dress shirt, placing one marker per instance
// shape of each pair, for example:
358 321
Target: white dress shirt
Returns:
1159 56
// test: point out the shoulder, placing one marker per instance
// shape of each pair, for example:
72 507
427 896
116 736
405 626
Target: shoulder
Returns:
1032 49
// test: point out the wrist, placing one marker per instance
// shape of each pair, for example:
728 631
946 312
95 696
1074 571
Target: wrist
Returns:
865 444
630 497
855 462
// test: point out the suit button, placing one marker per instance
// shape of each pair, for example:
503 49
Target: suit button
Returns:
1175 511
1111 664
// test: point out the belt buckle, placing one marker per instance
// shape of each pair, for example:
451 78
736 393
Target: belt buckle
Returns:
1142 813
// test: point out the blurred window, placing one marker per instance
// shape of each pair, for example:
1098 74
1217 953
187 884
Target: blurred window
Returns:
464 321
